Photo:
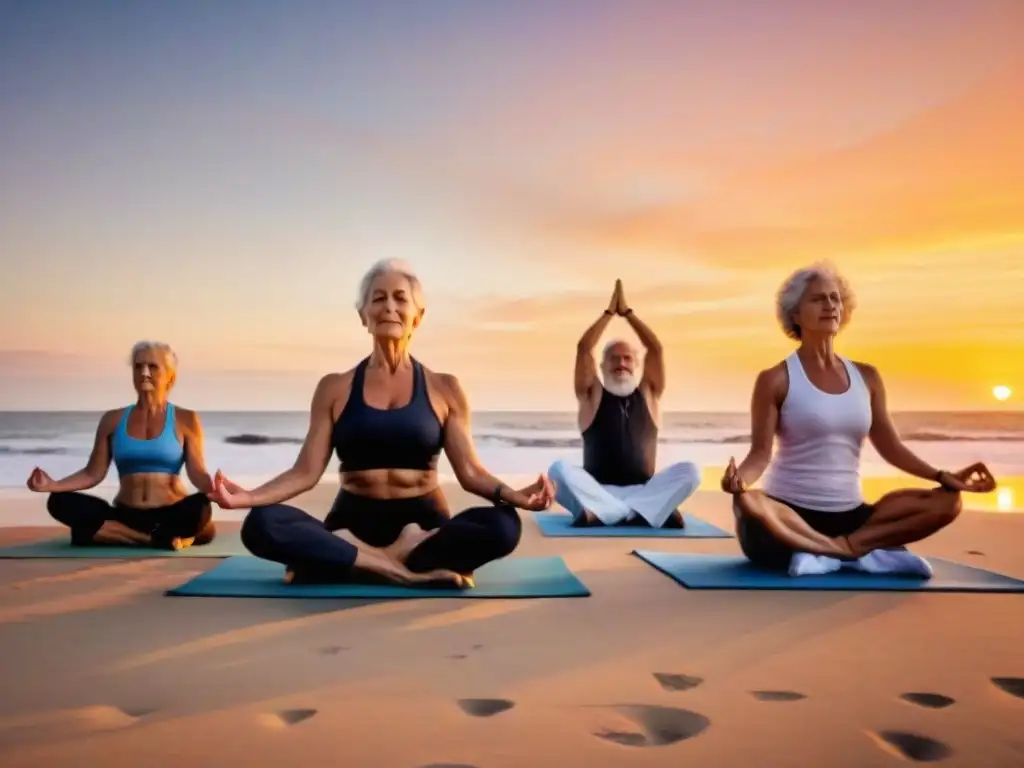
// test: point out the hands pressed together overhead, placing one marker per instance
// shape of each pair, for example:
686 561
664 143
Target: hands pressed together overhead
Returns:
618 305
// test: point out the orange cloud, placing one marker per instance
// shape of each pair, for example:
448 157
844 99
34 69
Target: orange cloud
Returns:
951 176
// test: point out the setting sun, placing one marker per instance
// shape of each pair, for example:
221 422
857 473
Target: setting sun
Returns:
1002 392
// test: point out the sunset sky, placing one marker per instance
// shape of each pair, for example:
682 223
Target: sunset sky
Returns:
219 175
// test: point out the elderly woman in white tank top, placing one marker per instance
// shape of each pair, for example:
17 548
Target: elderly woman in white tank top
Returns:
810 516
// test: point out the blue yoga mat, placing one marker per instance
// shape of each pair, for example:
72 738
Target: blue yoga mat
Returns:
224 545
508 578
560 524
736 572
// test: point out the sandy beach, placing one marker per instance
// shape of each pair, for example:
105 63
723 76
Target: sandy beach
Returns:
371 243
100 668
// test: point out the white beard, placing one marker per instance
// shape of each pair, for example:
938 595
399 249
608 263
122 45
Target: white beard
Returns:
622 386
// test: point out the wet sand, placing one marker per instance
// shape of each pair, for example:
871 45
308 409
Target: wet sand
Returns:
100 668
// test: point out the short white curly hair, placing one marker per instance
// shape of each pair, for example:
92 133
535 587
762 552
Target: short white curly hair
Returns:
170 356
388 266
616 343
794 287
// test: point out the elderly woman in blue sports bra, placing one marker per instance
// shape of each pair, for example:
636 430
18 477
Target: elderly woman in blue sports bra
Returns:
149 443
387 419
810 517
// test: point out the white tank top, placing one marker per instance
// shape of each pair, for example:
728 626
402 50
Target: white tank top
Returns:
817 458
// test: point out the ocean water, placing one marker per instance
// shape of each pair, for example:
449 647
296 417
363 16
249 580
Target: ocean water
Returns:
253 447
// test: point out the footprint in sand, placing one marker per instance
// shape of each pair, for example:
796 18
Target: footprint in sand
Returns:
975 552
448 765
1011 685
930 700
287 717
913 746
332 650
658 726
485 707
461 656
138 712
778 695
61 724
673 682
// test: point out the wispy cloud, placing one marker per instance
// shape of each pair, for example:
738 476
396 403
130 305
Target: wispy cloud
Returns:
951 176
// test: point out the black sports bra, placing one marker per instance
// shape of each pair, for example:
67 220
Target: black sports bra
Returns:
410 437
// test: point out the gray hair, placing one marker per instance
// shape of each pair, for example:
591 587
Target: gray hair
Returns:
792 291
385 267
170 357
614 343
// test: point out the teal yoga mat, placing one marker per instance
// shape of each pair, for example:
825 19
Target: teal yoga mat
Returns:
736 572
519 577
560 524
224 545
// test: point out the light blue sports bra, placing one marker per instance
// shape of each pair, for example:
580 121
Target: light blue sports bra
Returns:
162 455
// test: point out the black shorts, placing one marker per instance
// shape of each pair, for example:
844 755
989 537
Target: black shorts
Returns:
762 548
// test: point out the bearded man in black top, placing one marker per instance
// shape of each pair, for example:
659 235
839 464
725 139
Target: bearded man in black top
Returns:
618 418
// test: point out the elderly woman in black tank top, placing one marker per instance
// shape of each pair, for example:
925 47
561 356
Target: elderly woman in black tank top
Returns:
387 419
821 407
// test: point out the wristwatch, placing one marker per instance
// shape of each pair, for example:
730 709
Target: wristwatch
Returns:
496 496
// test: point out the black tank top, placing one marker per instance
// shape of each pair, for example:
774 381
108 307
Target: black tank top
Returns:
620 445
410 437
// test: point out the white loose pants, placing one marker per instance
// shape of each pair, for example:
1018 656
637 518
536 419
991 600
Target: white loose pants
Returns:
654 501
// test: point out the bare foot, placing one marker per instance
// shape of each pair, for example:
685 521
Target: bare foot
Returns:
113 532
289 575
441 576
410 538
586 518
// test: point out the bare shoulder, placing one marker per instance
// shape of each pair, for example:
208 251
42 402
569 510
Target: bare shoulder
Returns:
332 391
447 385
108 421
645 388
330 382
186 417
869 373
774 379
866 369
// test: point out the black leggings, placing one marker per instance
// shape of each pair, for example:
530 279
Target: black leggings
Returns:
762 548
192 517
463 543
